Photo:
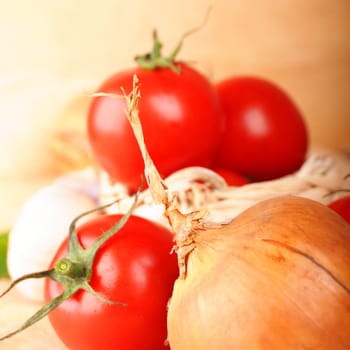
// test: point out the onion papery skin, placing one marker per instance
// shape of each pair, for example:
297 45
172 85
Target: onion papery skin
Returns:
276 277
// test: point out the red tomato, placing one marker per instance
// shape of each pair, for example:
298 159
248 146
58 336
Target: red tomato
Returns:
232 178
181 117
134 267
266 136
342 207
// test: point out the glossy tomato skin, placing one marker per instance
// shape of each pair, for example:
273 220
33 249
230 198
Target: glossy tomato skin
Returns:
181 116
134 267
342 207
266 136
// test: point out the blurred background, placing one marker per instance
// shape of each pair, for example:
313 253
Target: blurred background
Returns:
55 53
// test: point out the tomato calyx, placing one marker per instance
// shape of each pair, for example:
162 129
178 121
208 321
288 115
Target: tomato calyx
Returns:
74 271
154 59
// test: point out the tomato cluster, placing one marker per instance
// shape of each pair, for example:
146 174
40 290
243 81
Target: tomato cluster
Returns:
247 126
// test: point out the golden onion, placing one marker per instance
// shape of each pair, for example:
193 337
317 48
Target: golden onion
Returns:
276 277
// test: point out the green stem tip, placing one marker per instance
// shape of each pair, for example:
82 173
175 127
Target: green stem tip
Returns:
66 267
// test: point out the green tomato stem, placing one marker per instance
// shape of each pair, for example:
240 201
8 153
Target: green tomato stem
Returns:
155 60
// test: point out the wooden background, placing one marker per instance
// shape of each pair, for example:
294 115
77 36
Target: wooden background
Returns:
54 53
